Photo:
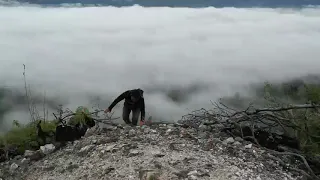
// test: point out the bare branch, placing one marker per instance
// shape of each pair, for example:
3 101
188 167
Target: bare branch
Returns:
285 118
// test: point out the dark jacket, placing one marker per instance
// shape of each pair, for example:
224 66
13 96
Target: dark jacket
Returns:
129 103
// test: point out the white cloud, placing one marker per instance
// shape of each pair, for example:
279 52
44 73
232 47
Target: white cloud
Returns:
106 50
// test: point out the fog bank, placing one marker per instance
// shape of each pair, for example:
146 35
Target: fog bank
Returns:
79 54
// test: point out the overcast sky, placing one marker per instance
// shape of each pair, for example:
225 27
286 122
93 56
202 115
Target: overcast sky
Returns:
75 54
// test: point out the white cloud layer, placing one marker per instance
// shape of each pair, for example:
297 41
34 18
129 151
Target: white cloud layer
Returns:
76 52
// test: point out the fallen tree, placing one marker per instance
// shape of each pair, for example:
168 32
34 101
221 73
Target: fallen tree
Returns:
283 129
278 130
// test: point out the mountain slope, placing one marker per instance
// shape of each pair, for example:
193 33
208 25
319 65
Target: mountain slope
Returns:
163 151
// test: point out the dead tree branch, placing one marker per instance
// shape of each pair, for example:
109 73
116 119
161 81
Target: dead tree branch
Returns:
262 125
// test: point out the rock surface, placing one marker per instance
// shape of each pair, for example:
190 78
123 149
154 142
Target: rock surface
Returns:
159 152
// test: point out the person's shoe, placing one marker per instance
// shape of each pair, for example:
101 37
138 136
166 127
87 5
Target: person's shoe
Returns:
128 122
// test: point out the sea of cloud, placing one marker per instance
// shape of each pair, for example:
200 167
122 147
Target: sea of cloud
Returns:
79 55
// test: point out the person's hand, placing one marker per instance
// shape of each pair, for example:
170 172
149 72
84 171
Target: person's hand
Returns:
107 110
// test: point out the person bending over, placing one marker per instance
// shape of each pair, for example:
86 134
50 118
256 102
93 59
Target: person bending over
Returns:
134 101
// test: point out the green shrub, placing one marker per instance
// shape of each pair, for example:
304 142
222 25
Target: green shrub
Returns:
80 116
306 122
25 136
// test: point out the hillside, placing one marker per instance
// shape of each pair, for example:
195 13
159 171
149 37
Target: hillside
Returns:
159 151
268 139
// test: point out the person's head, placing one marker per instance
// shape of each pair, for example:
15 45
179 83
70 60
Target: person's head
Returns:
136 95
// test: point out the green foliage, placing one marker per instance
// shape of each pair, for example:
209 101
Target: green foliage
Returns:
310 133
306 122
313 93
303 93
152 177
25 136
283 93
80 116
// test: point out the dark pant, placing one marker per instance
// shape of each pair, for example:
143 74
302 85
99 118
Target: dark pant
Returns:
135 115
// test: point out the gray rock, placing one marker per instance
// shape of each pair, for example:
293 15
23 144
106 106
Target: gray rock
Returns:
110 148
194 172
203 127
94 141
193 177
33 155
230 140
153 131
134 153
181 173
157 153
203 135
146 129
18 157
91 131
25 161
28 153
48 167
169 131
71 167
217 126
13 167
85 150
149 174
238 139
132 132
237 143
215 140
249 146
47 149
107 170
